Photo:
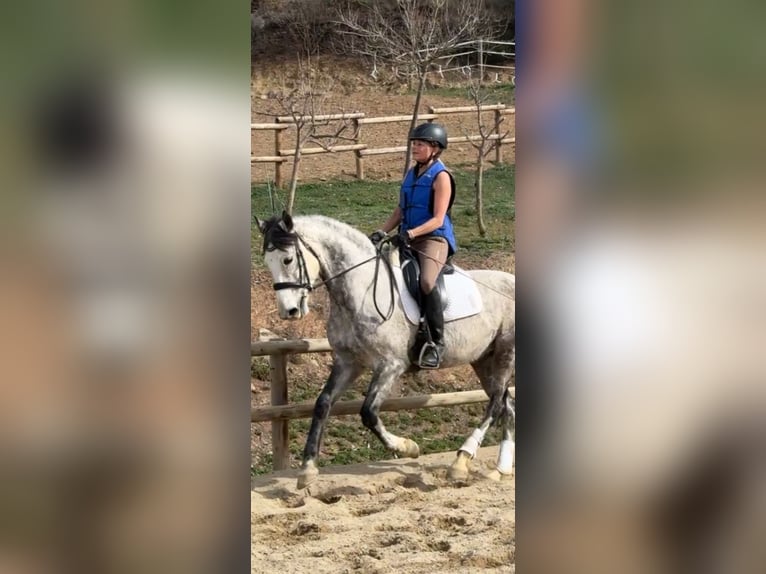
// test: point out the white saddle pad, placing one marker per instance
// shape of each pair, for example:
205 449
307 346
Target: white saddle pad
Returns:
463 297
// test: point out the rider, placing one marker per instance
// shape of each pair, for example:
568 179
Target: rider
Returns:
425 198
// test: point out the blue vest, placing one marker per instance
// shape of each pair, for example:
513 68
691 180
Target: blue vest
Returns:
416 202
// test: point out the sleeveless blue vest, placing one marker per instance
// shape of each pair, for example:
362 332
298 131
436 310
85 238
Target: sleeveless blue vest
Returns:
416 202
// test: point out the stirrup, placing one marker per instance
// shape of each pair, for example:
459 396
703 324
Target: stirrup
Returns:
426 346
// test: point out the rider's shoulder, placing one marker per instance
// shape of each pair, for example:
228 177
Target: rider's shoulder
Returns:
443 175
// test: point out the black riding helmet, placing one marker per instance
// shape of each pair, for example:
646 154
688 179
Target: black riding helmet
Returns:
430 133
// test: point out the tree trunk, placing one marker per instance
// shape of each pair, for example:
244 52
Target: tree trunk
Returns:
414 122
479 188
293 179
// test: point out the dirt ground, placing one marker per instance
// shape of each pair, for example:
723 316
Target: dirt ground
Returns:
402 516
353 91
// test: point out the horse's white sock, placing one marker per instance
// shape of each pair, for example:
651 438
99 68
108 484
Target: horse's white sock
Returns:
505 457
473 442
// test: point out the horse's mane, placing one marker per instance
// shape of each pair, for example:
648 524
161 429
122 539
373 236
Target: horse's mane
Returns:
336 228
276 236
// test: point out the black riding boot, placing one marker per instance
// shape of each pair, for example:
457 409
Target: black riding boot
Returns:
430 357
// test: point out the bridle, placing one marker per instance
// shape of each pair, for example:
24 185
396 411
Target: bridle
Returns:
304 279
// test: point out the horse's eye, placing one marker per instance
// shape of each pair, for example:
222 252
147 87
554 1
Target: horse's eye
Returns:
287 260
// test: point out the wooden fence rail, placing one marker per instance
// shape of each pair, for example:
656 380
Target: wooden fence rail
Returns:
280 412
305 409
360 149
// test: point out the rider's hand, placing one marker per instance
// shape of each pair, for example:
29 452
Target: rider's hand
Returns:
401 240
377 236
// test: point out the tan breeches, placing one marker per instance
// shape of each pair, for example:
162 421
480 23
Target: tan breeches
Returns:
432 253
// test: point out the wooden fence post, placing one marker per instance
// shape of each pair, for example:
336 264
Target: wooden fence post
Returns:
359 158
481 60
498 143
280 433
280 430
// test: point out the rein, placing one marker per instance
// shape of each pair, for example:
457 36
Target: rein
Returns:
305 283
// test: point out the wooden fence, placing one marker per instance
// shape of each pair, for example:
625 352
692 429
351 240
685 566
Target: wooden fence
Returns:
280 411
362 150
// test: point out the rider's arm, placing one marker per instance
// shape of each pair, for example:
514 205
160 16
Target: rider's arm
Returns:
442 192
393 221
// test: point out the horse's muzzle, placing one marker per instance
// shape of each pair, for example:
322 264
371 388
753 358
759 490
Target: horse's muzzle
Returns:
293 313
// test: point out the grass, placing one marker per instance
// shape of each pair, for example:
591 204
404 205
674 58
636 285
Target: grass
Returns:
260 368
265 465
347 441
496 93
367 204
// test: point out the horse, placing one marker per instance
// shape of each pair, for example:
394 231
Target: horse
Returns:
308 251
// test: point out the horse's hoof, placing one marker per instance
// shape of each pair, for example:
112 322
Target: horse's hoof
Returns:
459 468
410 449
458 473
493 474
307 475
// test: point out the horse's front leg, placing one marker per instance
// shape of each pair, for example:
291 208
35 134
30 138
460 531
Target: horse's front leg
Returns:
382 380
342 375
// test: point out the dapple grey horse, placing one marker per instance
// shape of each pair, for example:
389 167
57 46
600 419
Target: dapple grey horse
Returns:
307 251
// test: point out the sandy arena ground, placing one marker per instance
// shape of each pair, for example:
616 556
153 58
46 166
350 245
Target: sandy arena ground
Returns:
403 516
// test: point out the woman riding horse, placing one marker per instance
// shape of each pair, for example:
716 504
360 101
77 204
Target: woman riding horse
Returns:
425 199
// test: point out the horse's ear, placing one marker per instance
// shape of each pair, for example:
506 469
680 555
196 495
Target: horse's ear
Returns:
261 225
287 222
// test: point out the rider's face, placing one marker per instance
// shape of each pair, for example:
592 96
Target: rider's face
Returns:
421 151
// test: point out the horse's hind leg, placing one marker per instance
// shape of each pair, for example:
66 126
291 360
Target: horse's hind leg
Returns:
342 375
494 372
504 465
494 410
383 378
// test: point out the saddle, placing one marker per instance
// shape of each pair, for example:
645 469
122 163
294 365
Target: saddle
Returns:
461 292
411 273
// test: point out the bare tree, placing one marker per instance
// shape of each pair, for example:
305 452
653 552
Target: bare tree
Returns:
302 106
308 26
487 140
414 35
